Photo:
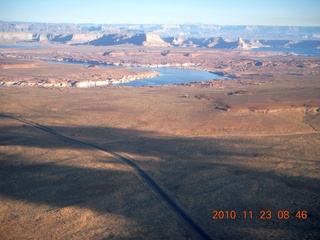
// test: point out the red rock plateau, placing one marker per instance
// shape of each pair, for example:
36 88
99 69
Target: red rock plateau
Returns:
156 162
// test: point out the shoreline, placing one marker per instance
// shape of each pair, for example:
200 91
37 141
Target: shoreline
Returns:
114 82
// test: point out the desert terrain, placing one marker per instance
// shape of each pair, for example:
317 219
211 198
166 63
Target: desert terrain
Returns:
114 162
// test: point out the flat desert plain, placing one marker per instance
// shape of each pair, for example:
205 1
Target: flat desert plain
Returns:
239 157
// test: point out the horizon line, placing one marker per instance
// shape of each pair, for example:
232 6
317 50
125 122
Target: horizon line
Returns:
212 24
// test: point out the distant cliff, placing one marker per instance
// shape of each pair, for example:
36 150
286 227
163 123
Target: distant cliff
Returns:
135 39
200 36
213 42
15 36
76 38
171 30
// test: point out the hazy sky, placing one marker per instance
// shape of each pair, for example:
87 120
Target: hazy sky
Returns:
224 12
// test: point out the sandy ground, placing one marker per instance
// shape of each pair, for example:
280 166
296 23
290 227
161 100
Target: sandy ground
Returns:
48 74
247 145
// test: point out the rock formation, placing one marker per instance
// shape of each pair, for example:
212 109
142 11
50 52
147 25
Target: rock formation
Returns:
148 35
242 45
15 37
79 38
154 40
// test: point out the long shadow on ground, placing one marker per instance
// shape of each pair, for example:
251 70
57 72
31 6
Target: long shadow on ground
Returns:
199 174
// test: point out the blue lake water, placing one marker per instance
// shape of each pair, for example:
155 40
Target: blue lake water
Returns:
168 75
312 52
171 75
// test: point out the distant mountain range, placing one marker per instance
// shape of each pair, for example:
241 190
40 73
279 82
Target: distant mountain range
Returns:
204 36
172 30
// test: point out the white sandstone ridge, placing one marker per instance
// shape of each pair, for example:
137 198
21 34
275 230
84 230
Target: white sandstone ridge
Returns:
90 83
34 84
80 84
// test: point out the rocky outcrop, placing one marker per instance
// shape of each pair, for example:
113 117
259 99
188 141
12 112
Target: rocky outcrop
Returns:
15 36
242 45
177 41
221 43
214 42
73 35
154 40
171 30
43 38
79 38
107 40
134 39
